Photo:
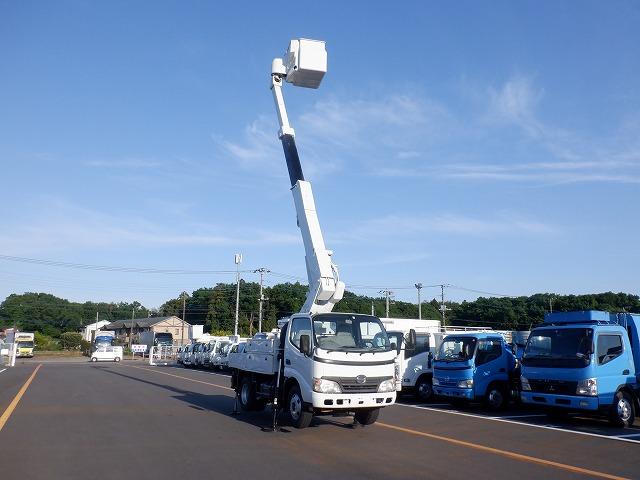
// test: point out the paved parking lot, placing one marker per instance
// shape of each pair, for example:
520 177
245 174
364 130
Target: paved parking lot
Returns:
129 420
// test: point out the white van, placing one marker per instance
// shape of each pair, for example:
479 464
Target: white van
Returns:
107 353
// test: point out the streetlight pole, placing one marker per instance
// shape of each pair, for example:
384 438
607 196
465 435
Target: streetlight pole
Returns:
419 287
261 271
387 294
238 260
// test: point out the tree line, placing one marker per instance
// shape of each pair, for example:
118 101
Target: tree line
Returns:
215 308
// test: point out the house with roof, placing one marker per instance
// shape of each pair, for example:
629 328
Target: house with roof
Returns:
173 325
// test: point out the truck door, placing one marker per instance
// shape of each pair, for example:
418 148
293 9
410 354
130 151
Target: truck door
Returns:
611 364
490 365
296 364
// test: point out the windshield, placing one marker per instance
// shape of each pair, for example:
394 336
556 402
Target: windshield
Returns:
456 349
164 339
25 344
562 347
358 333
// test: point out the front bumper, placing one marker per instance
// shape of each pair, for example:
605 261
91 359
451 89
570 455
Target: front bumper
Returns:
351 401
454 392
560 401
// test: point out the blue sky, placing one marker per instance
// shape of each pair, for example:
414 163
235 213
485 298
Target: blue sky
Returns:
493 146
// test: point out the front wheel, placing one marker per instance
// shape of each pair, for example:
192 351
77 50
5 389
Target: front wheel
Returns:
622 413
295 407
94 359
367 416
424 390
496 398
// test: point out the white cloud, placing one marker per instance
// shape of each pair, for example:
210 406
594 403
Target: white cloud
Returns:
407 226
59 226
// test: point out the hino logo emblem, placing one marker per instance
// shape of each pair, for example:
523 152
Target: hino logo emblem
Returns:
361 379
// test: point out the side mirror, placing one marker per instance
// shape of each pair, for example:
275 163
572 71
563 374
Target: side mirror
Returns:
411 340
305 345
430 360
394 346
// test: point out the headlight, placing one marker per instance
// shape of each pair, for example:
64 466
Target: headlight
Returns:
322 385
466 383
387 386
435 381
588 387
524 382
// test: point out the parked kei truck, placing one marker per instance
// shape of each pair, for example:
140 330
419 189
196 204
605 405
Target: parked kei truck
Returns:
585 361
476 367
318 364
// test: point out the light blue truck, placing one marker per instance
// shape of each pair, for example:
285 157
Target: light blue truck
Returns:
584 361
476 367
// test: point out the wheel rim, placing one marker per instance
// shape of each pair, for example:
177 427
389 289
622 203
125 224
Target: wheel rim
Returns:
495 398
624 409
295 406
244 394
425 390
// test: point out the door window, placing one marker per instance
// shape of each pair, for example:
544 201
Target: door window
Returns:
609 347
488 350
299 327
422 345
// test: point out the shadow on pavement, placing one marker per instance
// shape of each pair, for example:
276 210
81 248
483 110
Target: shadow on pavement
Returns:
223 404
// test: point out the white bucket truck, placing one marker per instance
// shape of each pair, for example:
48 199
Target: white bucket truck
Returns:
318 362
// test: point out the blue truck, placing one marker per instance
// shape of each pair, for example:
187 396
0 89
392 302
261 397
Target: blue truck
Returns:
476 367
586 361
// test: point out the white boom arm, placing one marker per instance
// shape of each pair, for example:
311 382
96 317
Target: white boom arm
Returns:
325 287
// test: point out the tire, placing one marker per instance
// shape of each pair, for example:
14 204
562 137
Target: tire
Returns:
94 359
295 409
117 359
424 389
622 413
367 416
247 396
496 397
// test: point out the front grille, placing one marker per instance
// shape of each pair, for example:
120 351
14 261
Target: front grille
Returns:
560 387
350 385
448 383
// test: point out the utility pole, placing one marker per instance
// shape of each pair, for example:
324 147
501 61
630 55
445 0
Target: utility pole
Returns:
184 310
261 271
373 310
387 294
133 316
419 287
443 307
238 260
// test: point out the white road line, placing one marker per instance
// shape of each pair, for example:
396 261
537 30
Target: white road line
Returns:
629 435
545 427
2 370
522 416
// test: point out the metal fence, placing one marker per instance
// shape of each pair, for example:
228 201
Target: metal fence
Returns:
163 355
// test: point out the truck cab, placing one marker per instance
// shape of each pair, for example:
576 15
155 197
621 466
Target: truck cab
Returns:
584 361
475 367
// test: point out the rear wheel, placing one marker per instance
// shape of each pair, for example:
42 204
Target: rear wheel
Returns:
247 396
94 359
622 413
295 408
117 359
367 416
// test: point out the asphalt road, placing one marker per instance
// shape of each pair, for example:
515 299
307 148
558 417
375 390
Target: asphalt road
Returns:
129 420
